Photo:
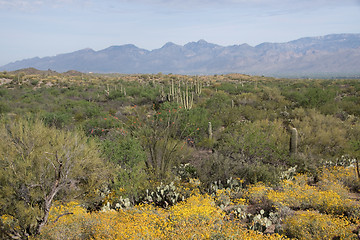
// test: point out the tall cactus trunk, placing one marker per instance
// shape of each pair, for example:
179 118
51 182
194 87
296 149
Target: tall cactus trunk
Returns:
191 100
293 141
210 130
172 90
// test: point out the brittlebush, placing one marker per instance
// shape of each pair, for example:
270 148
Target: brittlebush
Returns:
200 218
195 218
330 196
313 225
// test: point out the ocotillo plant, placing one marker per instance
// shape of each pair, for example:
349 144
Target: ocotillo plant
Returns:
293 141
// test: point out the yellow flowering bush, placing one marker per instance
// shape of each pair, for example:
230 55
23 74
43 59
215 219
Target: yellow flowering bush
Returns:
202 216
141 222
313 225
298 194
196 218
199 212
338 179
68 221
8 224
257 192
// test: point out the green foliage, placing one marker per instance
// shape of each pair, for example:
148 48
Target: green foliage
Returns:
4 108
58 119
148 137
263 141
320 136
40 164
194 123
129 158
217 103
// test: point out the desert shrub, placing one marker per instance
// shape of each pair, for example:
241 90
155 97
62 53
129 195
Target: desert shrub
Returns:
256 193
4 108
101 126
3 92
123 150
252 151
313 225
40 165
56 119
350 105
338 179
256 142
116 95
230 88
130 176
194 124
310 96
214 168
88 109
217 104
257 172
320 136
195 218
299 194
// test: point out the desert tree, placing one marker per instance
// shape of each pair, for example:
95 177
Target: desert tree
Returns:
38 166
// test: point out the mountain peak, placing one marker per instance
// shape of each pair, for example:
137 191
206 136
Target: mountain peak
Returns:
330 56
201 44
121 47
169 44
202 41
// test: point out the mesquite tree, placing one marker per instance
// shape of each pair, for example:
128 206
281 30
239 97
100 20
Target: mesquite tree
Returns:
38 166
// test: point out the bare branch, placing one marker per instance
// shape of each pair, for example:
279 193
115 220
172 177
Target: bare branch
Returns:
61 215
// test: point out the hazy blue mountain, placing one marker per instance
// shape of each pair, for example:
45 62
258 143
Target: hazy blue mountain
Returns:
330 55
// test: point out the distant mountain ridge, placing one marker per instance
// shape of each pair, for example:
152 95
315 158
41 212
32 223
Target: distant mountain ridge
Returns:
330 55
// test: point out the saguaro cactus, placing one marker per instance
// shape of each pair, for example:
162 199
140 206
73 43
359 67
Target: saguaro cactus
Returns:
197 87
293 141
210 130
107 90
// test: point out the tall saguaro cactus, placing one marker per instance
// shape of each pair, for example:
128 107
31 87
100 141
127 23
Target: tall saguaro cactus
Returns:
293 141
210 130
185 98
198 87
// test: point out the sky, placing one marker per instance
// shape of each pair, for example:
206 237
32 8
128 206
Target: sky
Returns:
39 28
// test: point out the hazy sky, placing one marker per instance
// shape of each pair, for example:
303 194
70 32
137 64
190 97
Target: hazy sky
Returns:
31 28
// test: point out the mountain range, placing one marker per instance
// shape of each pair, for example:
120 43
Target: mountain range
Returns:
336 55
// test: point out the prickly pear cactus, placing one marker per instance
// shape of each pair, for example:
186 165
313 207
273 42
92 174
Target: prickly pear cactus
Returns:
164 195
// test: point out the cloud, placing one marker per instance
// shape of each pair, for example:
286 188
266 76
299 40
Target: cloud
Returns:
34 5
302 4
16 4
175 5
